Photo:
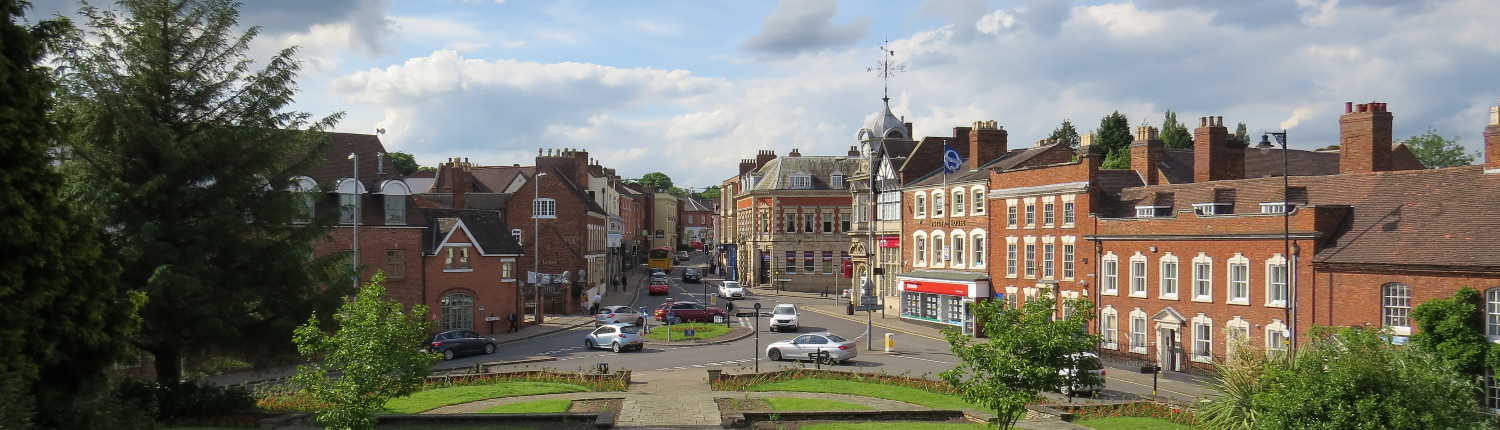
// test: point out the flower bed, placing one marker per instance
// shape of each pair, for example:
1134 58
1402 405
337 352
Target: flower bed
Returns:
745 381
1143 409
287 398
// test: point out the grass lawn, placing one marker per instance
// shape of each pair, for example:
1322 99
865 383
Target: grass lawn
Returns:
1131 423
800 404
539 406
704 331
903 425
431 399
879 391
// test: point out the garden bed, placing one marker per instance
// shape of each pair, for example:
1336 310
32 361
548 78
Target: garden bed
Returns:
287 398
702 331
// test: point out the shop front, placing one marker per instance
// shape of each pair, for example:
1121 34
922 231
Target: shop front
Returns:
942 298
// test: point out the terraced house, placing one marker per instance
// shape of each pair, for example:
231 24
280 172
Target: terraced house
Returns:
791 215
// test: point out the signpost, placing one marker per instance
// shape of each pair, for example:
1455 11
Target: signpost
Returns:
757 338
868 304
670 317
1154 370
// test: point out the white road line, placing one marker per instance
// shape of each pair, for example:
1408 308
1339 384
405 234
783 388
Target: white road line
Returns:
699 366
919 358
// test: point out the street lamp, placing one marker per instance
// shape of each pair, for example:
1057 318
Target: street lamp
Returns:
354 264
1286 230
536 241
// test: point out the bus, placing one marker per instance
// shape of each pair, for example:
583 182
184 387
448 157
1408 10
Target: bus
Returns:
660 258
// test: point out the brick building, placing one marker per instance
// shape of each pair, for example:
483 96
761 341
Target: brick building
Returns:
696 219
564 229
885 148
470 269
790 216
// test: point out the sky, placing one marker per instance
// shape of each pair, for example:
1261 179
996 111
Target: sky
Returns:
688 88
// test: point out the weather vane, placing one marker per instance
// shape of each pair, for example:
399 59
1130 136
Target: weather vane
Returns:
886 68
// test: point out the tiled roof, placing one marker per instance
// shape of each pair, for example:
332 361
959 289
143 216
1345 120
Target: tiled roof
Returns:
1177 164
486 228
776 172
334 165
694 204
578 191
1010 159
498 178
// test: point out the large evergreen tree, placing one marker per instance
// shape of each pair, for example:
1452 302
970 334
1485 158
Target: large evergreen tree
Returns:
62 319
1175 135
1113 138
184 152
1065 134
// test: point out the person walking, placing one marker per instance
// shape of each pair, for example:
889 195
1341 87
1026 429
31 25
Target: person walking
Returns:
624 282
515 325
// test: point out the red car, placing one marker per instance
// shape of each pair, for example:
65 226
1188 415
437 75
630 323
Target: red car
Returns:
658 286
690 311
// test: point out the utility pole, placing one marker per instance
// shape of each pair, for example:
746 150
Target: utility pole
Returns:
536 241
354 264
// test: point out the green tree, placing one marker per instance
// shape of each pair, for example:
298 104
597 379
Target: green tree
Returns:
184 152
405 164
62 316
1113 138
1354 378
1452 328
1241 135
1024 354
376 353
1065 134
1436 151
658 181
1116 160
711 193
1175 135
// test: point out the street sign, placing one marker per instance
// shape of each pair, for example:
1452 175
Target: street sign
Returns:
869 300
867 308
744 314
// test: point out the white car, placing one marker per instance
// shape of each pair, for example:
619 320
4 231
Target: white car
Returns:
617 337
619 314
784 317
731 290
804 346
1087 362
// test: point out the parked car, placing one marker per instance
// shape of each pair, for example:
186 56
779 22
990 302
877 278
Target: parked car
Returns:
617 337
683 311
658 286
731 290
692 274
682 256
784 317
453 343
838 348
619 314
1087 362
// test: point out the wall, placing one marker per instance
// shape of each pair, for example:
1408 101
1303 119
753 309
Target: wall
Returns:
496 295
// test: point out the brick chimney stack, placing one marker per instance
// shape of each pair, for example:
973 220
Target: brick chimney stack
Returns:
746 165
765 156
458 178
854 151
1211 150
1365 138
795 153
1146 153
987 141
1492 142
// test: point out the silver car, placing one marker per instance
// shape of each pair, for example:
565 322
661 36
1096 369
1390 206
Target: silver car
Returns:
617 337
804 346
619 314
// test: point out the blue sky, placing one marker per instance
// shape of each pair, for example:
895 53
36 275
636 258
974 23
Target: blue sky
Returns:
690 87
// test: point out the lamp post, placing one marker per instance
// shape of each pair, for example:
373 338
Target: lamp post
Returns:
536 241
1286 231
354 264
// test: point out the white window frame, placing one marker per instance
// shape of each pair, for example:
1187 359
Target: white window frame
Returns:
346 208
1203 339
1028 216
1049 257
919 206
1492 313
1109 327
799 181
1029 258
1109 269
1238 292
1138 273
1070 210
544 208
919 249
939 204
1139 341
956 239
936 241
958 201
508 269
457 258
836 180
977 248
1069 258
1274 207
1012 213
1276 337
977 202
1230 328
1203 278
1171 268
1012 257
1395 307
1049 211
1273 291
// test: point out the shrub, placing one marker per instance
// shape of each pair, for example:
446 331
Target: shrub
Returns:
187 399
1176 414
744 382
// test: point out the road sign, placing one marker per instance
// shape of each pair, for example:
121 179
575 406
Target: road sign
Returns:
869 300
744 314
867 308
952 161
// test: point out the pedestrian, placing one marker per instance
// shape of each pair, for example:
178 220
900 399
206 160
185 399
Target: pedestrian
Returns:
624 283
614 283
515 325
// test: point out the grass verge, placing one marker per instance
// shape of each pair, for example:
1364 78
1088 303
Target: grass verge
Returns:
1132 423
879 391
435 398
903 425
537 407
791 404
702 331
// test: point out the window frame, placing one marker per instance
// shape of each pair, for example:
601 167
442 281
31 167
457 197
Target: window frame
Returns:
977 249
395 263
1069 259
451 315
1239 289
1139 341
1049 259
1138 285
1203 340
1109 328
1203 278
1277 286
544 208
1030 255
1109 269
977 204
1012 258
1395 307
456 258
958 202
1170 288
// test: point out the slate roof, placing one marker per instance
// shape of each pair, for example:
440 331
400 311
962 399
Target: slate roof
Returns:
1177 164
334 164
578 191
776 172
1434 217
694 204
486 228
498 178
967 172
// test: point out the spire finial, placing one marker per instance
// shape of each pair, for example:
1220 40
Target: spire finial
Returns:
886 68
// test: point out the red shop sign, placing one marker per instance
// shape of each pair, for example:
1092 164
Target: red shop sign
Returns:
890 242
936 288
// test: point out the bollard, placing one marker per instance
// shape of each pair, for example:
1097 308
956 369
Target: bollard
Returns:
890 342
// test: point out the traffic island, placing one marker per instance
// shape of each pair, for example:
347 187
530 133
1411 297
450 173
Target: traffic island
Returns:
658 335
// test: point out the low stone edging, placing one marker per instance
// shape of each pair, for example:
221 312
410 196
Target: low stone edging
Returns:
602 420
749 418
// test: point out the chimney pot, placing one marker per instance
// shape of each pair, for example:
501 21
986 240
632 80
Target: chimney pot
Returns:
1365 139
1492 142
1348 107
1211 154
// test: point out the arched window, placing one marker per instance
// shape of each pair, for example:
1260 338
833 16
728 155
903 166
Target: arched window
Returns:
458 311
1395 305
920 249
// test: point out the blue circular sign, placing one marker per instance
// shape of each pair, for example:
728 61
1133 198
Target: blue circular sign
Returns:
951 160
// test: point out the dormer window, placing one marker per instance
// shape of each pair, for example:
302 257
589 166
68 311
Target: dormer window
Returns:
1150 211
836 180
1275 207
1213 208
800 181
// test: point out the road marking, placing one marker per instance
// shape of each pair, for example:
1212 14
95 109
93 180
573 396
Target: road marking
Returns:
842 317
557 351
920 358
699 366
1158 388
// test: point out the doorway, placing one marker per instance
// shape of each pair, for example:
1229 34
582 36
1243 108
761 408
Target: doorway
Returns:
1168 350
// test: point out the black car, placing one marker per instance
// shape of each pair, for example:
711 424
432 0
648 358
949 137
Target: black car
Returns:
692 274
453 343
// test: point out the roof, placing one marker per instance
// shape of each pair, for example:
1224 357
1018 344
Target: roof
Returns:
1177 164
776 172
967 172
578 191
694 204
1433 217
947 275
485 228
499 178
883 123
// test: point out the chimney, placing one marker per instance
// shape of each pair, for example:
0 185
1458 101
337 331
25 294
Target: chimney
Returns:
854 151
457 178
1146 153
1090 155
380 163
1492 142
765 156
987 141
746 165
1365 138
795 153
1211 150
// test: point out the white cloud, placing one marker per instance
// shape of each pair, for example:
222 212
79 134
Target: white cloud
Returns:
995 22
805 25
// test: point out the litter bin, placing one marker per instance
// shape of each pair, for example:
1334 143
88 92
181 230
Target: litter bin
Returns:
850 309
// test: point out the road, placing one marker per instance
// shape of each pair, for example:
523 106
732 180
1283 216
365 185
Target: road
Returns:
918 355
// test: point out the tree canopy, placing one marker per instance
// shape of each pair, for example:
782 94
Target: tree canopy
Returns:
1065 134
406 164
1175 135
658 181
186 152
1113 138
1436 151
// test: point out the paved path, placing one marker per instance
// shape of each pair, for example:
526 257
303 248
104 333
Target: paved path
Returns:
669 398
